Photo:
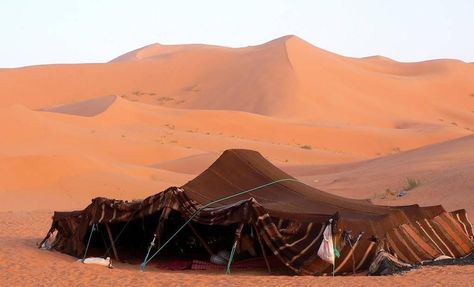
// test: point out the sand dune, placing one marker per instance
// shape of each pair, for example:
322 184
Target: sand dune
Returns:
86 108
143 148
444 172
286 77
63 182
173 109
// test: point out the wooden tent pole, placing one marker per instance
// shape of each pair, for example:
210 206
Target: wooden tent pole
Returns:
203 242
51 230
112 241
161 225
263 249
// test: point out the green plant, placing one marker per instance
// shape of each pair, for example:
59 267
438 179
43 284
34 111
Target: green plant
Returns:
411 183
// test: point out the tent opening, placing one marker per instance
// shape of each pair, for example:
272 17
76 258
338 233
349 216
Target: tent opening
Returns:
132 239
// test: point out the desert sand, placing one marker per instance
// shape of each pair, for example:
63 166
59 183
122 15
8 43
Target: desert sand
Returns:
159 115
23 264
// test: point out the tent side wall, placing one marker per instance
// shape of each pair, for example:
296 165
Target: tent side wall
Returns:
294 242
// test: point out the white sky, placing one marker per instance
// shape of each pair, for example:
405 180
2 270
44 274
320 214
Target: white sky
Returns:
65 31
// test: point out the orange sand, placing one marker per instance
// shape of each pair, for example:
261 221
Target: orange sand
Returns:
23 264
157 116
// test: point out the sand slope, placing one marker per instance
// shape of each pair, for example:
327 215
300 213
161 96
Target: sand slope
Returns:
23 264
113 147
445 173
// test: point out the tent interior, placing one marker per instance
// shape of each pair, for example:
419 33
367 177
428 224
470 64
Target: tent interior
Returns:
195 242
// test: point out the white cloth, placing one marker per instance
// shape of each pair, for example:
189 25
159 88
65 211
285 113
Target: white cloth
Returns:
98 261
326 249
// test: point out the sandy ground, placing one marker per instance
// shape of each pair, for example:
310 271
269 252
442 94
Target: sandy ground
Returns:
158 116
22 264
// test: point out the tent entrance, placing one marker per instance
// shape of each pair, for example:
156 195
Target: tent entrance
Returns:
131 239
210 244
194 241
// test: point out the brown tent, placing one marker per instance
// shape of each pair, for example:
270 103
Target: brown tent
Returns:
285 215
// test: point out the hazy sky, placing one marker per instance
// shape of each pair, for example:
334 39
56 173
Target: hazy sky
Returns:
47 31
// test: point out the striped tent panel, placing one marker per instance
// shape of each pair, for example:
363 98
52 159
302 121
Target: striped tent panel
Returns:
431 231
347 261
366 258
461 218
356 257
411 246
454 231
425 247
295 250
444 239
401 248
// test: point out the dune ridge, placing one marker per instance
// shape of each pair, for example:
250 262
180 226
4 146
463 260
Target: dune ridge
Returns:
286 77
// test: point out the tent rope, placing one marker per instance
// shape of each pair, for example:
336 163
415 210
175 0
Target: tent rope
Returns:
231 257
238 233
152 244
89 242
146 260
95 227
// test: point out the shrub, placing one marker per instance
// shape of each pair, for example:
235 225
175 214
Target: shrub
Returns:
411 183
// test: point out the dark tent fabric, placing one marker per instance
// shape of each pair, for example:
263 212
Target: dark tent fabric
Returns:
289 216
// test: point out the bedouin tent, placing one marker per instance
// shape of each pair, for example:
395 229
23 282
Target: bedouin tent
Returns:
309 231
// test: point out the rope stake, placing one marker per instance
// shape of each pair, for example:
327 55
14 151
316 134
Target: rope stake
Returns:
152 244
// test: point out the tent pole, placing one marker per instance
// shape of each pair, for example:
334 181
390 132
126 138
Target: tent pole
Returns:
203 242
161 225
112 241
51 230
157 235
263 250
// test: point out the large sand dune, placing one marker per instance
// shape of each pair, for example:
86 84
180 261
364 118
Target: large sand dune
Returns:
286 77
159 115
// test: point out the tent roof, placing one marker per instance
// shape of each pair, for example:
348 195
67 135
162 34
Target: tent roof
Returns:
237 170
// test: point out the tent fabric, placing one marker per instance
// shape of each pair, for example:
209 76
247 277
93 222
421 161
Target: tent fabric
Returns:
387 264
289 216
